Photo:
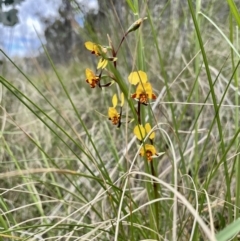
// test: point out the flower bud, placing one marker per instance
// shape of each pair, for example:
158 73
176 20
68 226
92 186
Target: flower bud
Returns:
135 25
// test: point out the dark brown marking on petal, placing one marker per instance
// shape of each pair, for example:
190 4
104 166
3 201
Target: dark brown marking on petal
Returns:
134 96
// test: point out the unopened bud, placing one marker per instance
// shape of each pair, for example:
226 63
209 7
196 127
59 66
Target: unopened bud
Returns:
135 25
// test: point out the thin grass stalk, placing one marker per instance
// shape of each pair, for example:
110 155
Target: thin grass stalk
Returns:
21 172
4 221
14 91
36 88
30 187
214 99
231 144
196 92
215 169
152 190
166 83
101 166
237 161
234 11
47 164
169 98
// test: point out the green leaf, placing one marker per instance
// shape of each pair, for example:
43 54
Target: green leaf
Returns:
221 32
234 11
229 232
131 5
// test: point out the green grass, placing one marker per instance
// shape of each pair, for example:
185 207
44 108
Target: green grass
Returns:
67 173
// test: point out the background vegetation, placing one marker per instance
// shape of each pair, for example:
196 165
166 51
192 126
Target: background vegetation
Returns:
68 174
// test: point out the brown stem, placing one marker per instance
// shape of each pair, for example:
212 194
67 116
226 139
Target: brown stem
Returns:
155 188
105 85
114 53
119 123
139 113
123 38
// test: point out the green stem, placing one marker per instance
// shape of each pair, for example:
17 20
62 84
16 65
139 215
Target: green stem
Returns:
236 82
196 92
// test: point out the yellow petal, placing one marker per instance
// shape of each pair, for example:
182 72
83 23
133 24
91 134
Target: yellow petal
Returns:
148 150
139 132
151 148
114 100
112 112
148 88
94 48
105 63
148 129
144 88
89 45
138 76
142 151
89 74
102 63
122 99
139 90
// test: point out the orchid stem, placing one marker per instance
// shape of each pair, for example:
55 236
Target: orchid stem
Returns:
123 38
139 113
156 196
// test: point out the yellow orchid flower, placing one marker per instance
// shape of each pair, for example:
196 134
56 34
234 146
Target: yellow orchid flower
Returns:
91 78
144 92
99 50
149 151
96 49
113 115
141 132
